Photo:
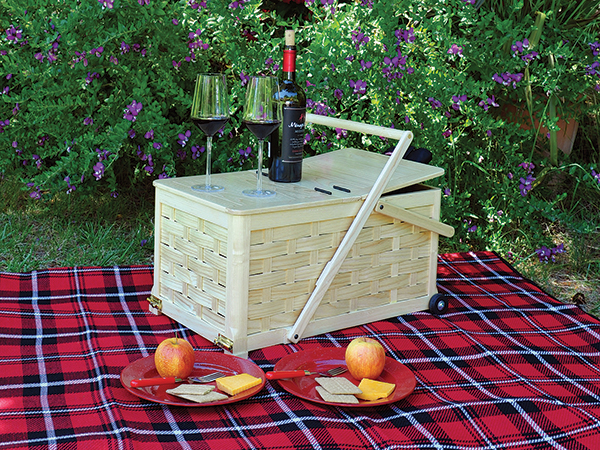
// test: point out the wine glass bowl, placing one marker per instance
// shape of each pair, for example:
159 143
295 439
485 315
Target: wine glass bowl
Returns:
210 112
262 116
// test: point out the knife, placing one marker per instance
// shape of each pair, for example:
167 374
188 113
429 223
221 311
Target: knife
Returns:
277 375
143 382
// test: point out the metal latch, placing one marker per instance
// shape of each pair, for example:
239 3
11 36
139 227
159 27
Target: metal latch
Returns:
224 342
155 304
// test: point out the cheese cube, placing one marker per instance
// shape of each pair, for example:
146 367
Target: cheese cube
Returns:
374 390
235 384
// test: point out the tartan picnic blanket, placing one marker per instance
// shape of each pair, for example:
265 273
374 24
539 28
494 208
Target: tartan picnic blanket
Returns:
507 366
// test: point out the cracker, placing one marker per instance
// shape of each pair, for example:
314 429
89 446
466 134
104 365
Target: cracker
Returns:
338 385
204 398
336 398
191 389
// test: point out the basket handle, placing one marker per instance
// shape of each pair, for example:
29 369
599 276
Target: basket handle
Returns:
396 212
351 125
333 266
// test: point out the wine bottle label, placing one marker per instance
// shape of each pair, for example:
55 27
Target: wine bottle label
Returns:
292 141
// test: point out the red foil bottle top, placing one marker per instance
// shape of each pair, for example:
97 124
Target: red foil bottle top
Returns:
289 60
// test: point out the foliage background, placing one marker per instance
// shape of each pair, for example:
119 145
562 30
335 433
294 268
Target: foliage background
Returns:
96 96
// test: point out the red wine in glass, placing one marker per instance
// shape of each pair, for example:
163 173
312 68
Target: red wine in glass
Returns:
211 125
210 112
262 129
262 116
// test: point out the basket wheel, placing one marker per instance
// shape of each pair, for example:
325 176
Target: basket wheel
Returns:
438 304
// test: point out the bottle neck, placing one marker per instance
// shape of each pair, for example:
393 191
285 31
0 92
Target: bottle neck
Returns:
289 63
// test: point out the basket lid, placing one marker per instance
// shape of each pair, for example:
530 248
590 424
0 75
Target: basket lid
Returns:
338 176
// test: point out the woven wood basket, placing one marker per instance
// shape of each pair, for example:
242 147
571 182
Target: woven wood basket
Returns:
241 271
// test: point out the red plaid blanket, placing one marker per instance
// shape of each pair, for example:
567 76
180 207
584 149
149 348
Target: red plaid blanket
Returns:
506 367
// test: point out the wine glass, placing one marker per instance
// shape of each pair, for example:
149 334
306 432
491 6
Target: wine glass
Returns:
262 116
210 112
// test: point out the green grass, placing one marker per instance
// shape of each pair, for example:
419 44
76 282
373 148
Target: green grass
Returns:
73 231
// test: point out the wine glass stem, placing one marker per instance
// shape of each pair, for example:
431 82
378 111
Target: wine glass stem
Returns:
208 159
260 164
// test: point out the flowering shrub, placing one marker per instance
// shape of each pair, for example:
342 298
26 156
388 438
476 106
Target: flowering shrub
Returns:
95 95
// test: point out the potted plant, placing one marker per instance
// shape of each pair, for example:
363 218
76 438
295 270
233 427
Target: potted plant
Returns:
549 43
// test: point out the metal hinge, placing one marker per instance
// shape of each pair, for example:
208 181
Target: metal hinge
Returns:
155 304
224 342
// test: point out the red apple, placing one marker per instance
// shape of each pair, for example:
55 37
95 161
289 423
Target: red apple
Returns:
365 358
174 357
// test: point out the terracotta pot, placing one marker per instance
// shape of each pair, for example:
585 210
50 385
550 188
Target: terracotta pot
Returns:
565 136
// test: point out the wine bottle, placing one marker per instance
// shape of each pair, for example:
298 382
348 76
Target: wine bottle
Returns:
287 143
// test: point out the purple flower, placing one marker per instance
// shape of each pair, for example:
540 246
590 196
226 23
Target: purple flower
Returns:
102 154
36 194
455 50
530 57
595 47
359 86
591 69
90 77
98 170
470 228
364 65
320 108
359 38
491 101
447 133
447 191
596 175
195 5
245 78
519 47
507 79
527 166
458 99
88 121
70 187
132 111
149 134
13 34
526 184
407 36
546 254
341 133
144 2
107 3
184 137
131 133
196 151
157 145
4 124
238 4
97 51
434 103
338 93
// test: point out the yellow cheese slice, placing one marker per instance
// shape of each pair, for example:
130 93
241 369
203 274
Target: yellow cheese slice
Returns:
374 390
235 384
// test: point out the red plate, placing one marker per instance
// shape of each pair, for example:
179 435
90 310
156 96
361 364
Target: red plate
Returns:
323 359
206 362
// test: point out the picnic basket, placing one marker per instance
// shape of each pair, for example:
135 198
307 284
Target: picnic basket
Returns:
353 242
